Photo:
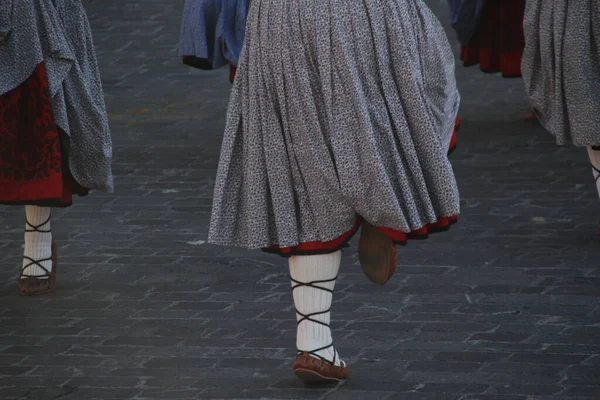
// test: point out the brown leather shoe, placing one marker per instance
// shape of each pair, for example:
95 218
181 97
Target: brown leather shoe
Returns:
377 254
314 370
30 285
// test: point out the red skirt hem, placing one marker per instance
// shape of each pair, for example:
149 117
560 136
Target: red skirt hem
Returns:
498 43
232 73
398 237
509 65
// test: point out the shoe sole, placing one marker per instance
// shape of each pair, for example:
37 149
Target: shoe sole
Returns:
37 293
376 253
54 268
312 377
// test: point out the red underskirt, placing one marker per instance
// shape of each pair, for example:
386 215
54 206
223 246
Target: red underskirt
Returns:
498 42
33 167
401 238
232 72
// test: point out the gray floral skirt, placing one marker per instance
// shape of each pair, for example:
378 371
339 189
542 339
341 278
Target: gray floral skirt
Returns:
561 68
341 112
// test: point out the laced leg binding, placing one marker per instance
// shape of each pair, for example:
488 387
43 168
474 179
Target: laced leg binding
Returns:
309 318
37 229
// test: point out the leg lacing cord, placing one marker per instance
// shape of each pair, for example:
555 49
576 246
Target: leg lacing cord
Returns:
309 318
30 229
36 228
39 264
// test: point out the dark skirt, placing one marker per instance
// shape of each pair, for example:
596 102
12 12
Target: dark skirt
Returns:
498 43
204 64
34 166
464 16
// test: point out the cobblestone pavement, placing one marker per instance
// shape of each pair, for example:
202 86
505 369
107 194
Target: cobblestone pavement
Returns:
504 307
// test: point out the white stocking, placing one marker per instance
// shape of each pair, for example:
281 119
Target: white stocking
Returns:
313 280
38 242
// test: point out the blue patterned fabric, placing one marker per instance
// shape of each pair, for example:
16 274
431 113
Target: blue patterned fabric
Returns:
465 17
214 30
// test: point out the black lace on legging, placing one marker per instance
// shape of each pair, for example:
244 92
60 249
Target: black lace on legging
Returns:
36 228
309 317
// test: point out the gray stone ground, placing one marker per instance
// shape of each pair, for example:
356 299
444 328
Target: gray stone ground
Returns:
504 307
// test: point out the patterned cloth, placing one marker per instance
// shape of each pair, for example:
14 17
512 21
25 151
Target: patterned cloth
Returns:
33 170
561 67
340 110
58 35
213 30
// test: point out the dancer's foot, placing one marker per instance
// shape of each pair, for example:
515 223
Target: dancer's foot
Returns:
32 285
313 280
310 369
38 273
377 254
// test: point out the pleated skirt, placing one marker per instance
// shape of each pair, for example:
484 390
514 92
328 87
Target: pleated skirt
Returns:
341 112
561 68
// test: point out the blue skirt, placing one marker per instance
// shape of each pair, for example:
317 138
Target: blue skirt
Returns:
465 18
212 31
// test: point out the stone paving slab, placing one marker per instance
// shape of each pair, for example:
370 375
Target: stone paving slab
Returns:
506 306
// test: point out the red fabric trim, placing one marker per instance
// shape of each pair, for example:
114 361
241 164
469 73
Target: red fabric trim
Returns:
232 73
317 247
71 187
443 224
313 248
498 43
32 167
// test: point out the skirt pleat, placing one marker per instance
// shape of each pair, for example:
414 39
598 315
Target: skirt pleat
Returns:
339 113
561 68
